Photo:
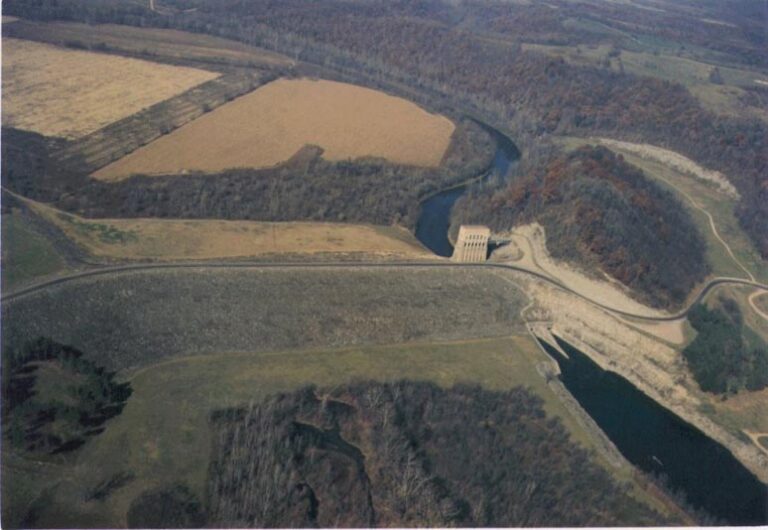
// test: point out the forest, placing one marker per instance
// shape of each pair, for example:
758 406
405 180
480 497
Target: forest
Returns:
306 187
441 47
373 454
598 209
721 360
54 398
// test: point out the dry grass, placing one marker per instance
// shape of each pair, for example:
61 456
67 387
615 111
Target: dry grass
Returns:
160 43
166 239
69 93
271 124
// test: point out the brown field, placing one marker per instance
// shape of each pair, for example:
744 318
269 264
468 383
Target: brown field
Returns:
166 239
162 44
271 124
69 93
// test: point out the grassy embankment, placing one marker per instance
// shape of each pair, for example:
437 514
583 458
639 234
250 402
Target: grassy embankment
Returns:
27 254
166 239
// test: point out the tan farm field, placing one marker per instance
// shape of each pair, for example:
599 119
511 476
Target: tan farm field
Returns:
69 93
271 124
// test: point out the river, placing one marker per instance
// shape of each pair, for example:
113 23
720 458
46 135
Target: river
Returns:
657 441
648 435
435 216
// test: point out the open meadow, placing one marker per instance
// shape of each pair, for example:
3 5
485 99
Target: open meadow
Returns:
69 93
271 124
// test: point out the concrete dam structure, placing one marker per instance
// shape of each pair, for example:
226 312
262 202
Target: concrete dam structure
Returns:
471 244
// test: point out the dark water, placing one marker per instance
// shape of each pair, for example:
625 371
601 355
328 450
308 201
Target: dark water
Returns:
655 440
435 215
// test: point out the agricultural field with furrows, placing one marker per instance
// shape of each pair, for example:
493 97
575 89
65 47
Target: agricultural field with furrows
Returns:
119 138
208 310
69 93
271 124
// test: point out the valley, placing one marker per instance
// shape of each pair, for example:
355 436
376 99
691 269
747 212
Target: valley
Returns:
230 300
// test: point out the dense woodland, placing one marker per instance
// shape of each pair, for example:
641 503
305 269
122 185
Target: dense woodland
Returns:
597 208
407 454
470 52
307 187
721 360
58 414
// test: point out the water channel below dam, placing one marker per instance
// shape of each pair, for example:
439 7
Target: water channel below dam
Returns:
649 436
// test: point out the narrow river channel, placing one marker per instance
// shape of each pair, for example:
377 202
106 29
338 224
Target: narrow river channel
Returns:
657 441
435 216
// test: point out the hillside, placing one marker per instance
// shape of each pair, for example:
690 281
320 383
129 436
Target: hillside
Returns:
599 210
398 455
472 56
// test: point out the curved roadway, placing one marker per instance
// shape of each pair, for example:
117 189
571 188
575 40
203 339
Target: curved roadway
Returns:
346 264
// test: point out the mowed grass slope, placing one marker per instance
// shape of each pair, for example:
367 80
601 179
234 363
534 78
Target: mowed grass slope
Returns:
69 93
163 436
271 124
26 254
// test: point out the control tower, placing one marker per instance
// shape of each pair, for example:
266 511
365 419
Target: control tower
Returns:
472 244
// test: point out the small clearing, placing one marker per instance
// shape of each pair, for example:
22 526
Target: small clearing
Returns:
271 124
70 93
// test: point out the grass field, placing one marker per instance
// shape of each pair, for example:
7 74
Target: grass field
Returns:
745 410
162 436
26 254
165 239
717 204
721 98
69 93
761 301
166 44
271 124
